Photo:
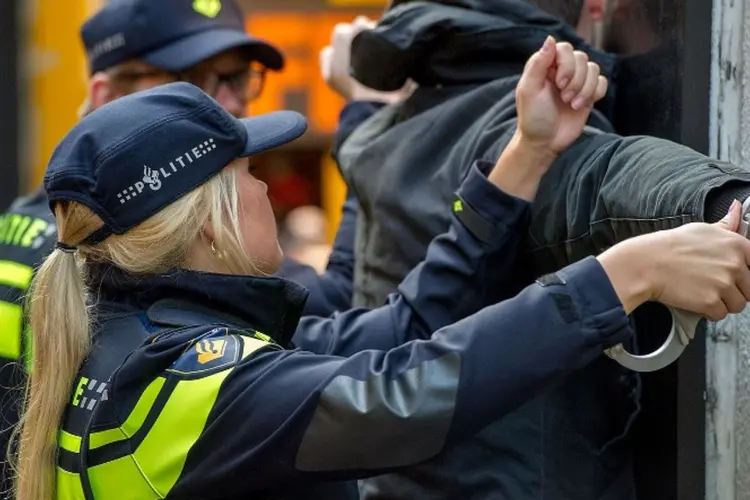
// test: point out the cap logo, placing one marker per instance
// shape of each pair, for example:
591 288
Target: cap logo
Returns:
151 178
107 45
155 178
208 8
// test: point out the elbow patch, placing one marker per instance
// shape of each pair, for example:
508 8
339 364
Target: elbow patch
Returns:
382 421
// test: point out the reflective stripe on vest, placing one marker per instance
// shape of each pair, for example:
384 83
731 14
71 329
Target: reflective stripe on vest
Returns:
152 470
18 276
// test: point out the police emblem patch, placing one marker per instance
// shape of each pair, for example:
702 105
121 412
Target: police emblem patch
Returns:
214 351
210 349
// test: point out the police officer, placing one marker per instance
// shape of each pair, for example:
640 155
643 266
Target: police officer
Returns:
134 45
178 384
27 235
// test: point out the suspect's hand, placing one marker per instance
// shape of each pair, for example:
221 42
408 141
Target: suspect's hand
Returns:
335 60
555 95
547 123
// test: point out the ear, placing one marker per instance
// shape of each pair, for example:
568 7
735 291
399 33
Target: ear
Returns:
208 231
595 9
101 91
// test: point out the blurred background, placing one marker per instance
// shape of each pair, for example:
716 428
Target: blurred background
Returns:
42 38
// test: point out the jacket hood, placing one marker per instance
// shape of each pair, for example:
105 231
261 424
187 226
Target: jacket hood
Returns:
458 42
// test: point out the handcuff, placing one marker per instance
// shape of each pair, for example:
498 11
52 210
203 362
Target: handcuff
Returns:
684 326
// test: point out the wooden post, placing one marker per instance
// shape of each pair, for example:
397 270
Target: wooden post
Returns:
728 342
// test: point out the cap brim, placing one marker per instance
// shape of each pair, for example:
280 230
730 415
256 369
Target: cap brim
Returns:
191 50
265 132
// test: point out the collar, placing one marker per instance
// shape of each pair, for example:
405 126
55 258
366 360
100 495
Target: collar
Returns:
181 298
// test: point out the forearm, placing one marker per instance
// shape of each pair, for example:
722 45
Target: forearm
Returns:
520 168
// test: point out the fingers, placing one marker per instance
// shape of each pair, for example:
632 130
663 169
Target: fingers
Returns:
363 23
578 79
539 65
716 311
566 65
743 285
734 285
731 221
326 56
585 96
581 61
734 301
342 33
601 88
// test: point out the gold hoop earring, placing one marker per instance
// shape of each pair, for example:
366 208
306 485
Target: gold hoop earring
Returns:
217 254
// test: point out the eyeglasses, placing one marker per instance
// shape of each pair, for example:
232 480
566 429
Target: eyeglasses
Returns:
246 85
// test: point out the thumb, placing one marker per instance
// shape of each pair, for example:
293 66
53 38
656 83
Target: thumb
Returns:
326 56
731 220
538 65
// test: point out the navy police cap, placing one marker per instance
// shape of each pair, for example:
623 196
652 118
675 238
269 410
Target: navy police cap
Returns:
137 154
170 34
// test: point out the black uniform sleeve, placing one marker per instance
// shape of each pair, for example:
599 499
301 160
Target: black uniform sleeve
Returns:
291 417
465 269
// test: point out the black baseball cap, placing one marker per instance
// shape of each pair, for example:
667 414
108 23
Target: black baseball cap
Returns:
137 154
170 34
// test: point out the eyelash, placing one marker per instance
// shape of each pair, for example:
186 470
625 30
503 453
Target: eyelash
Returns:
251 168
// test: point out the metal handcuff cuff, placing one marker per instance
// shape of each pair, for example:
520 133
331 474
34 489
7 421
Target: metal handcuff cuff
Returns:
684 327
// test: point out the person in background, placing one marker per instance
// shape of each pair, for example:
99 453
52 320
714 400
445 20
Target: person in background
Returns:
27 236
466 56
362 103
303 237
187 382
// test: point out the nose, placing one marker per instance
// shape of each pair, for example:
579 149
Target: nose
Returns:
231 101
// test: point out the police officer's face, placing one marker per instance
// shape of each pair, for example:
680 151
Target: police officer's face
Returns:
257 221
230 79
227 77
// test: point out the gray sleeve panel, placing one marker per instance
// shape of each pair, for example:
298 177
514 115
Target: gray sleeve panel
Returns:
382 413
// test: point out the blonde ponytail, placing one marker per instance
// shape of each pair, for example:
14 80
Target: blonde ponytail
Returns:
59 321
59 317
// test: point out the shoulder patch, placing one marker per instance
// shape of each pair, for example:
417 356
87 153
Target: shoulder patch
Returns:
215 351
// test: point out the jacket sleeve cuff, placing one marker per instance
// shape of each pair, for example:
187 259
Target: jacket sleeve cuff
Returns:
594 301
486 211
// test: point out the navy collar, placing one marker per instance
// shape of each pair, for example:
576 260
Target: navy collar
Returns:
270 305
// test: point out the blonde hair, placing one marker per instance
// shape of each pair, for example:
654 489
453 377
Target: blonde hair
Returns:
59 304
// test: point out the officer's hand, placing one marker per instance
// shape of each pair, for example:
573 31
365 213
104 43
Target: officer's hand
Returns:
554 97
702 268
334 65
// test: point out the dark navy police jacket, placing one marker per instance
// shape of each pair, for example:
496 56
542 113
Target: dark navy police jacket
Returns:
209 386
